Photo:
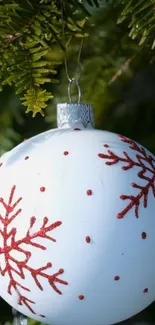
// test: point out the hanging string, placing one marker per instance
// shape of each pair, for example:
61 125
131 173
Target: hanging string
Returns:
78 66
72 80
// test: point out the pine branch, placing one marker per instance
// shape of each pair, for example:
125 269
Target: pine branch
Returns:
35 100
28 30
140 13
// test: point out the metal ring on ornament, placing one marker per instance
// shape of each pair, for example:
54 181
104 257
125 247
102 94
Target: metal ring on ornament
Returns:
71 83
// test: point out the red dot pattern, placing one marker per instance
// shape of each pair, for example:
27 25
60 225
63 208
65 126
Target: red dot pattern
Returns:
42 189
117 277
81 297
89 192
88 239
27 157
143 235
66 153
77 129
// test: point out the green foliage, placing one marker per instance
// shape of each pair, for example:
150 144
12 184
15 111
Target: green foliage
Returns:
35 100
33 322
28 30
140 13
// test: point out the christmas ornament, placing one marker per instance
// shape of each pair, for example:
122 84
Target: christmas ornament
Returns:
77 225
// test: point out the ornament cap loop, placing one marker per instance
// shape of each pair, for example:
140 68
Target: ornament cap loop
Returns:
71 83
75 115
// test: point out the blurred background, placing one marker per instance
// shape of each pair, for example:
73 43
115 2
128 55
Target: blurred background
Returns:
118 79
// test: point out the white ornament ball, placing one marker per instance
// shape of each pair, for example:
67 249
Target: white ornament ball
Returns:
77 227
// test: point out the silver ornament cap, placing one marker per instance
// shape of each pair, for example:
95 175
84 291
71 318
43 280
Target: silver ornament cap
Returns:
75 114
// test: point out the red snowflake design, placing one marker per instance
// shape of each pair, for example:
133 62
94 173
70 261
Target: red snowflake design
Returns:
145 163
10 244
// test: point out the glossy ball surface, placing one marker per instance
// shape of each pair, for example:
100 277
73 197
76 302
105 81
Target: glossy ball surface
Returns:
77 227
